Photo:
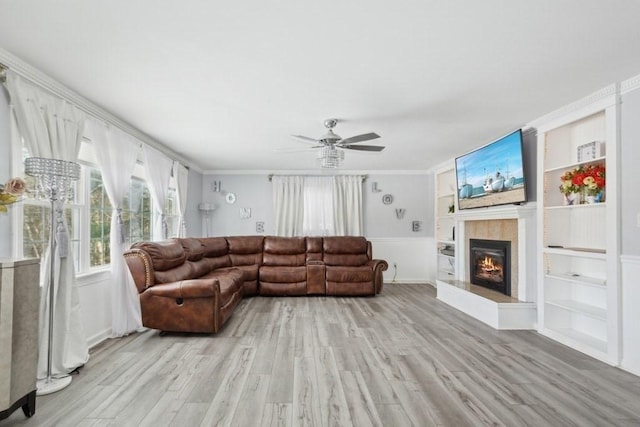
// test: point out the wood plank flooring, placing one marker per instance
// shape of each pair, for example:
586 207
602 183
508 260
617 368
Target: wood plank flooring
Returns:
400 359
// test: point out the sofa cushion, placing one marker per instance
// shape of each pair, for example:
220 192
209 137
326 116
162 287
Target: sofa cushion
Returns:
284 251
192 248
245 250
345 251
216 252
164 255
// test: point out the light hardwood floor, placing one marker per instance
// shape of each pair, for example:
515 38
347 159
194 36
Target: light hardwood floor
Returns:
402 358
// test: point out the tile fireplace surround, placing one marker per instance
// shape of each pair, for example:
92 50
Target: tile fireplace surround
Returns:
516 224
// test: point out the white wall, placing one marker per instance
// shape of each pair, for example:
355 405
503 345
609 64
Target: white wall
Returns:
630 239
629 176
193 217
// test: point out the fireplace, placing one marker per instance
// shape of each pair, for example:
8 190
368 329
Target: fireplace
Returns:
490 264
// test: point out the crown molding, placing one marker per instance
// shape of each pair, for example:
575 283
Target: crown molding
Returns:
630 84
18 66
598 100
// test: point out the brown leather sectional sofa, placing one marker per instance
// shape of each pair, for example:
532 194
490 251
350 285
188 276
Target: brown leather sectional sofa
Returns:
194 284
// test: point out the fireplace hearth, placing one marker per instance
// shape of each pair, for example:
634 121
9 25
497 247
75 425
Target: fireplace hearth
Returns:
490 264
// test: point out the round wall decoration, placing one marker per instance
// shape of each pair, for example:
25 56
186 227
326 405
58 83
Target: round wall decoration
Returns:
230 198
387 199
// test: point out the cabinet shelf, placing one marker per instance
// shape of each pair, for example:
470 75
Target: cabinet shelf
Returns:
578 252
578 279
445 221
579 340
601 205
579 307
569 166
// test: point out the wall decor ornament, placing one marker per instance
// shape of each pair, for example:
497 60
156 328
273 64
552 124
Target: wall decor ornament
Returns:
230 198
400 213
387 199
416 226
374 187
245 213
259 226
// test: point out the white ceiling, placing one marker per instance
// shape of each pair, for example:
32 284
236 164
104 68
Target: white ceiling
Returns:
225 84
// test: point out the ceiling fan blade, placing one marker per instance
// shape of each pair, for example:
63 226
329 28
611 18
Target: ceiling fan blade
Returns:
306 139
360 138
362 147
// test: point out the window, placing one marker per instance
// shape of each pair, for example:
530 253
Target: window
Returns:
172 216
99 221
137 213
89 216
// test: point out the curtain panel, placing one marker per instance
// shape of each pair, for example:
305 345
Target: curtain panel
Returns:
53 128
116 155
158 170
318 205
182 180
288 205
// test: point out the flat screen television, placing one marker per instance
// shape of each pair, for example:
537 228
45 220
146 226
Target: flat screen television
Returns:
493 174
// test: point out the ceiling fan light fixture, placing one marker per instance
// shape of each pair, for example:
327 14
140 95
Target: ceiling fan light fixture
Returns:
330 157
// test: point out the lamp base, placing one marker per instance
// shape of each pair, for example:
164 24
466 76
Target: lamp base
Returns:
51 385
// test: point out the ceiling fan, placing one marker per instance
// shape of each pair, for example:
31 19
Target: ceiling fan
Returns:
330 142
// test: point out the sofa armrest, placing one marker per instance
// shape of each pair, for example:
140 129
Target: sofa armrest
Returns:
195 288
378 266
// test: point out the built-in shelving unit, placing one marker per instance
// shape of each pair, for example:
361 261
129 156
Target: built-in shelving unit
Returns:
445 207
578 244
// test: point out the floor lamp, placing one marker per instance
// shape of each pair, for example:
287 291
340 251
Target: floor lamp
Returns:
54 181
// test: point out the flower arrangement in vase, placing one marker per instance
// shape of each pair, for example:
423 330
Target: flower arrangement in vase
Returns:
10 192
583 184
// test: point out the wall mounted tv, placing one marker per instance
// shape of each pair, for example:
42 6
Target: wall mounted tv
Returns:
493 174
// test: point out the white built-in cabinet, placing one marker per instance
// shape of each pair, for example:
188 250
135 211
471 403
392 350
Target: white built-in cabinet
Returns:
578 259
445 202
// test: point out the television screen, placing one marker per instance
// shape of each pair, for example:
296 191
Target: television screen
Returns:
493 174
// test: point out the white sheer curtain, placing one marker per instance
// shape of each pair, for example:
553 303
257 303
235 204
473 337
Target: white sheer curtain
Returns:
347 201
318 206
182 180
158 169
288 205
53 128
116 155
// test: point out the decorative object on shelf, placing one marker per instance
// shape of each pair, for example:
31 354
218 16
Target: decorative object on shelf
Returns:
54 181
374 187
416 226
259 226
216 186
387 199
400 213
583 184
590 151
245 213
570 199
11 192
230 198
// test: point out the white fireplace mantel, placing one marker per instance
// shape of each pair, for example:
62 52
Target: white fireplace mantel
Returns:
518 315
497 212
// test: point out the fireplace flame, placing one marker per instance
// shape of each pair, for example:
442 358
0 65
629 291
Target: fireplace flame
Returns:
488 266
